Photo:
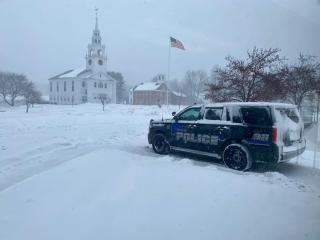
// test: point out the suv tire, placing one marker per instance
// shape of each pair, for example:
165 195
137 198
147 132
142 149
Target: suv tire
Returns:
237 157
160 144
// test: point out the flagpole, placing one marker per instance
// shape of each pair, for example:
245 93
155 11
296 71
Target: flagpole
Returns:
168 75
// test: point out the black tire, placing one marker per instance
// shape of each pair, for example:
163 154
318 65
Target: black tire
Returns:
237 157
160 144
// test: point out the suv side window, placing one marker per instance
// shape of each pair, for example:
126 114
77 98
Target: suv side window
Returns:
236 116
257 115
191 114
213 113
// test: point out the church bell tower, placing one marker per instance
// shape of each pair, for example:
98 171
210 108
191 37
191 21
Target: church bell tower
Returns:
96 58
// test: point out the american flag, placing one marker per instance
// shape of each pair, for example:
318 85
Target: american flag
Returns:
176 43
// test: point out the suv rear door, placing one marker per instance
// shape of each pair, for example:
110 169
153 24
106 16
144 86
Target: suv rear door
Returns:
259 122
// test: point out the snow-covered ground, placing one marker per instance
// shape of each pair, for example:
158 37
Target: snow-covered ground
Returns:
80 173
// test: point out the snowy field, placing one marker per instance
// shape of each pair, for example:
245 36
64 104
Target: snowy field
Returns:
80 173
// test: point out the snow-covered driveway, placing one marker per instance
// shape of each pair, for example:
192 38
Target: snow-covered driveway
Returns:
112 186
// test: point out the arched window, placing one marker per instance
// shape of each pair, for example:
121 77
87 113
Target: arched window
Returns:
100 62
91 52
100 52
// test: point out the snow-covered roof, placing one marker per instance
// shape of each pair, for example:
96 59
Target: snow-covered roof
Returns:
150 86
72 73
81 73
179 94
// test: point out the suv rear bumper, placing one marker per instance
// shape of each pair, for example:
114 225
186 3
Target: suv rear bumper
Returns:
292 151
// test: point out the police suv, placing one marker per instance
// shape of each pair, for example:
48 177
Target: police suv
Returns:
237 133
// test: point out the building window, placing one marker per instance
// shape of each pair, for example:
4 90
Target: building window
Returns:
100 62
83 83
64 86
105 85
90 62
50 86
95 84
72 87
57 86
100 52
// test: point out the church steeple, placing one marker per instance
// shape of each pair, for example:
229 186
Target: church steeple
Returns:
96 59
96 28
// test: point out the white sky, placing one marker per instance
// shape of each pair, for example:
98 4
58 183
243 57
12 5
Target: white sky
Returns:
44 38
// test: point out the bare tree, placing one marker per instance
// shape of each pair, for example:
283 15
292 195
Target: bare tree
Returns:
303 78
104 99
31 95
11 86
250 79
122 90
194 84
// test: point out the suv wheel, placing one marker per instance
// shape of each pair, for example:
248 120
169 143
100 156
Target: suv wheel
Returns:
160 144
237 157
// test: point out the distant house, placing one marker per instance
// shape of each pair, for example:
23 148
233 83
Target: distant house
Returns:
155 93
86 84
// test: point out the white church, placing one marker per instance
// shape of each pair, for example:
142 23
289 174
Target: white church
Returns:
88 84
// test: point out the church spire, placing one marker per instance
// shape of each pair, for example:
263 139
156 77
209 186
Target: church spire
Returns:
96 10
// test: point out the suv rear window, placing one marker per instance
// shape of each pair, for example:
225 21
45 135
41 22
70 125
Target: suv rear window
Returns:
256 115
291 113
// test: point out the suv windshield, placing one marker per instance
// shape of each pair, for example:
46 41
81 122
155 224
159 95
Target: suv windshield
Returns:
256 115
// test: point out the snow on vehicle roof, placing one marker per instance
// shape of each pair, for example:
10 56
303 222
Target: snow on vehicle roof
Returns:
150 86
251 104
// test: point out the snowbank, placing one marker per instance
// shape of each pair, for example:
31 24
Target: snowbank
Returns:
78 173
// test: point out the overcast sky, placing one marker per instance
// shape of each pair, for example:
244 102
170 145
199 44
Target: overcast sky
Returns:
43 38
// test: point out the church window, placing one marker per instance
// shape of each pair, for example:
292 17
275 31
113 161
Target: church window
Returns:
57 86
91 52
64 86
72 87
100 62
90 62
100 52
50 86
83 83
95 84
105 85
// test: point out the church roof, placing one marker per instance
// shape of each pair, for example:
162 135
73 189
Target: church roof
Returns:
79 73
72 73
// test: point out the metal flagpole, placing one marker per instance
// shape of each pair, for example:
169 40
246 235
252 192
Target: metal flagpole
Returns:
168 75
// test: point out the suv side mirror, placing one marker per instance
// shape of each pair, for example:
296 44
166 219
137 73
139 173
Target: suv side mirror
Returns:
173 113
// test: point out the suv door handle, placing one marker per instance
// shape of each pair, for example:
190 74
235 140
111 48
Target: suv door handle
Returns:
223 128
192 126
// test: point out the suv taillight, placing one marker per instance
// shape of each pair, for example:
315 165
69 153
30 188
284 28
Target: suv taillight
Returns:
274 134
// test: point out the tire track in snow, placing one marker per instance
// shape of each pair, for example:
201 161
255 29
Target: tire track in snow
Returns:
17 169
